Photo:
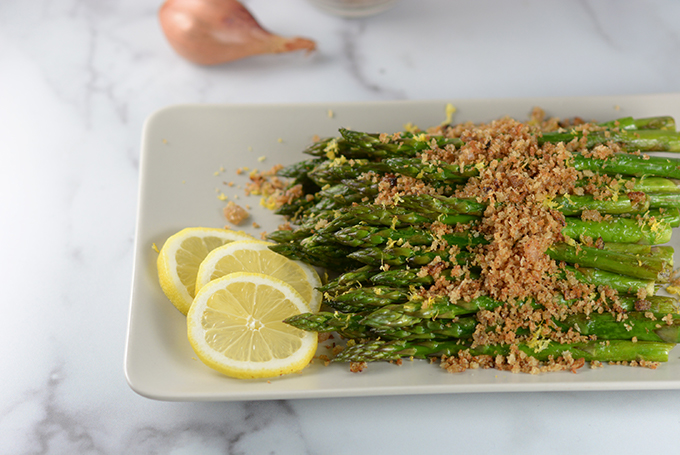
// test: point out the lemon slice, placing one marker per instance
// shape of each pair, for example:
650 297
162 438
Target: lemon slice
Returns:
235 327
180 257
256 257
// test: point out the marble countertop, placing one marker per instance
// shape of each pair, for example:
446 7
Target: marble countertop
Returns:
77 81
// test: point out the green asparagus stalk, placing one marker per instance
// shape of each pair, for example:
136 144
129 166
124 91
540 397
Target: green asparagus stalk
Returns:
652 231
655 133
664 200
614 230
402 255
627 164
624 264
374 296
349 279
352 325
641 326
630 141
442 308
612 351
616 281
645 184
666 123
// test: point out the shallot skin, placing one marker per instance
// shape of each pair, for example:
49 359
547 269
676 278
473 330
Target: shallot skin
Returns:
212 32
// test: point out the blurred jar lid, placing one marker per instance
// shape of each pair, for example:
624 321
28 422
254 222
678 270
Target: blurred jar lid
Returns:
354 8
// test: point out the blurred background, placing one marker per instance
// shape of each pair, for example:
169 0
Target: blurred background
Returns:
78 78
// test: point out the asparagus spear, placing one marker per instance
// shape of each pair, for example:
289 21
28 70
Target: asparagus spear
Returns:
626 164
624 264
402 255
657 269
631 141
370 297
411 277
363 236
612 351
349 279
664 200
618 282
442 308
646 184
649 123
355 325
652 231
614 230
642 326
655 133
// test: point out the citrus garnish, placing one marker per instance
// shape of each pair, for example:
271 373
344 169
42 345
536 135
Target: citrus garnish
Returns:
235 326
180 257
256 257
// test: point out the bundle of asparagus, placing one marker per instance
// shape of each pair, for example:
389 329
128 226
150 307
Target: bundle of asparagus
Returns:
492 241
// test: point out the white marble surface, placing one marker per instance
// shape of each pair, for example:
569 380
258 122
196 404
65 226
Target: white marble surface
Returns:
77 80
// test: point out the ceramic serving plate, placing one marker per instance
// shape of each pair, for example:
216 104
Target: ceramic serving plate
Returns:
189 160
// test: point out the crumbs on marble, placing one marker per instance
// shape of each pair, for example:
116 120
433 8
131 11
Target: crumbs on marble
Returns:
262 158
331 114
165 141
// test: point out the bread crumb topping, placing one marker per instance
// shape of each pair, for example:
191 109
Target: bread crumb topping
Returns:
517 180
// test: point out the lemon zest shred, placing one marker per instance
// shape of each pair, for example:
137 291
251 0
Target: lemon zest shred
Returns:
450 109
537 342
673 289
411 128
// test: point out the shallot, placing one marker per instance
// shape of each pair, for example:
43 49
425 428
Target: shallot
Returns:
211 32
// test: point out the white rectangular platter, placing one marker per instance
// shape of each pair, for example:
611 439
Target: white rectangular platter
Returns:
189 157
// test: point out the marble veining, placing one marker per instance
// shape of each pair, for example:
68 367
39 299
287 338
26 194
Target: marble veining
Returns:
597 26
78 78
246 427
351 40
